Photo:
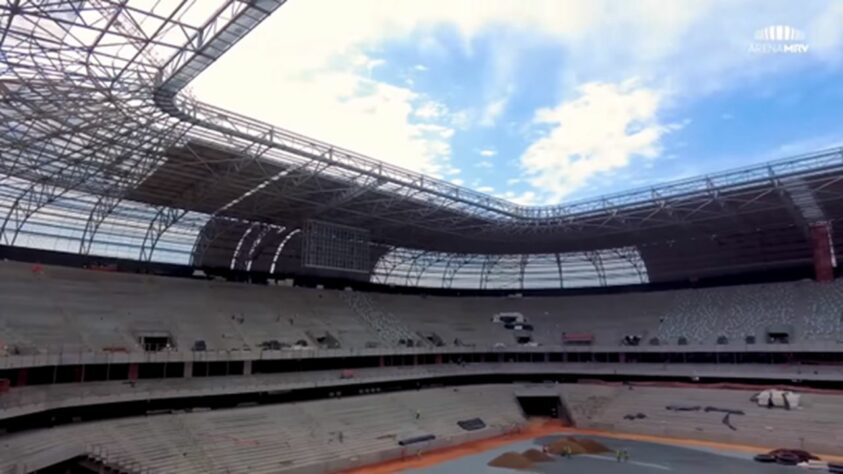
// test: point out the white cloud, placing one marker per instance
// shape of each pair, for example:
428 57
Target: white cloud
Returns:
805 145
826 33
601 130
451 170
484 164
525 198
460 120
367 63
691 44
387 122
318 84
430 110
458 181
492 111
685 44
488 152
318 81
486 189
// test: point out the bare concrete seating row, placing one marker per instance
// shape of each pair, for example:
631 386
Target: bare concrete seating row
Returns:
299 437
817 425
65 310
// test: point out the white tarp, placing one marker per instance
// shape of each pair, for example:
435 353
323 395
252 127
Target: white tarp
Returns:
777 398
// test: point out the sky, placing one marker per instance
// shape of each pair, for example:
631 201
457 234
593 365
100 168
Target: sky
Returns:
546 101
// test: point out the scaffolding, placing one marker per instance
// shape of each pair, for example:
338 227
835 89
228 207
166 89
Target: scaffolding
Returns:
95 107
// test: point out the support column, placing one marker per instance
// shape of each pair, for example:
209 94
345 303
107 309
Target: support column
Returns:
823 259
133 371
188 370
247 367
79 374
23 377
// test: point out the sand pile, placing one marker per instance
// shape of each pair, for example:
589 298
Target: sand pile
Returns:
511 460
591 446
577 446
563 446
535 455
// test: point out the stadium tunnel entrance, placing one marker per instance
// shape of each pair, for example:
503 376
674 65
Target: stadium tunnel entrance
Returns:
544 403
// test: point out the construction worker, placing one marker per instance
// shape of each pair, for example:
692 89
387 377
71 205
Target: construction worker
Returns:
568 452
418 414
618 455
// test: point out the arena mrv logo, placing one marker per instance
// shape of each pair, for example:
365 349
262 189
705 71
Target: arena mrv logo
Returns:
779 39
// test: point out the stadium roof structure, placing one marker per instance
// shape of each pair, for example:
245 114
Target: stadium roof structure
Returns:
103 152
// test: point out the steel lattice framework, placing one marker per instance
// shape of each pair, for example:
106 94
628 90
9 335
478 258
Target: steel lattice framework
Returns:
103 152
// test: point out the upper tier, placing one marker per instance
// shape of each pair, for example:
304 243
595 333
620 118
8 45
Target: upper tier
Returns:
59 309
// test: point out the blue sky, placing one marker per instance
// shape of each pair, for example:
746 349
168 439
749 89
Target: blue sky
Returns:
544 101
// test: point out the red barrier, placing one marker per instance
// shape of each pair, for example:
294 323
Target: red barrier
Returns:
821 240
133 371
578 337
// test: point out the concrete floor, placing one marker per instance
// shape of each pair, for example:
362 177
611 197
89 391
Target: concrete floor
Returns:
645 458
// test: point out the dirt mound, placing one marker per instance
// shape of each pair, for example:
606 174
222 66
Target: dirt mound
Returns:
573 445
591 446
564 446
511 460
535 455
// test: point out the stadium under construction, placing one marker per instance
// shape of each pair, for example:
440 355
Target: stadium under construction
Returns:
186 289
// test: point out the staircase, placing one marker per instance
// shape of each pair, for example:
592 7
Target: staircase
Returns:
387 327
803 198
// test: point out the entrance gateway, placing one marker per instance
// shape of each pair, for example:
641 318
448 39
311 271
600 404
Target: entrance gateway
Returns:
543 402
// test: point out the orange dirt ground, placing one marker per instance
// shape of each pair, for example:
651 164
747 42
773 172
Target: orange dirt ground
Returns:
536 429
